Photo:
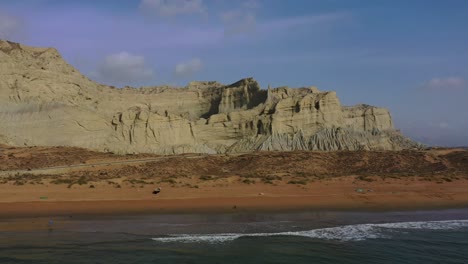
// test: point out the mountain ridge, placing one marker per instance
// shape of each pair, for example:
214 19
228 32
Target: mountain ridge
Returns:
44 101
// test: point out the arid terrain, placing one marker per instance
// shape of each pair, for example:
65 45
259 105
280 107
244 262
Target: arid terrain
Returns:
44 101
42 181
211 146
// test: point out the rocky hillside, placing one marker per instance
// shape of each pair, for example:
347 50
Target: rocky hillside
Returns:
46 102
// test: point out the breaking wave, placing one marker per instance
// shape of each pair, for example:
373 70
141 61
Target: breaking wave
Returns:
341 233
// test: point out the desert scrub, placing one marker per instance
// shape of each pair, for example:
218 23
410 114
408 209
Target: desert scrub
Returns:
170 181
188 185
303 174
22 179
207 178
320 176
82 180
248 181
392 176
138 181
365 178
61 181
267 181
19 182
299 182
447 179
427 178
253 175
270 179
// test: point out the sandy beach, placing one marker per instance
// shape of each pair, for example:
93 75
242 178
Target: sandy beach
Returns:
343 193
48 182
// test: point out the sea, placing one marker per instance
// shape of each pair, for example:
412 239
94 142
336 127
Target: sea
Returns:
439 236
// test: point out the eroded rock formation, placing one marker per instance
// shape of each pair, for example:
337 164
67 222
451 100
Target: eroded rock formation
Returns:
46 102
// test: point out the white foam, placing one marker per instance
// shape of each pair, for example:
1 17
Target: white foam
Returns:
342 233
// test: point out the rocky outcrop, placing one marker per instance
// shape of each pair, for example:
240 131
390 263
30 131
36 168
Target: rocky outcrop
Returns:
45 101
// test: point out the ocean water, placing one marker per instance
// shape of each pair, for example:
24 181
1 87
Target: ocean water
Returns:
307 237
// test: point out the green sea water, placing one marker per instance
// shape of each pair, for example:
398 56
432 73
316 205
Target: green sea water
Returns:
307 237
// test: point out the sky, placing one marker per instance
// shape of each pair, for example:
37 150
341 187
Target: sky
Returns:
410 56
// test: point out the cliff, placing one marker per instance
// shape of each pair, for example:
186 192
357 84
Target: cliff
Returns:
46 102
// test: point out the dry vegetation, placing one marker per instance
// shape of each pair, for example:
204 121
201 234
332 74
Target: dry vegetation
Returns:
299 168
12 158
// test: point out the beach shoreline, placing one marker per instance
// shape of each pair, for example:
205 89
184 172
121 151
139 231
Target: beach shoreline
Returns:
340 193
31 207
68 182
261 202
67 215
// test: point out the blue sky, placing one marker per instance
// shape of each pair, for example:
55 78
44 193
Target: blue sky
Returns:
409 56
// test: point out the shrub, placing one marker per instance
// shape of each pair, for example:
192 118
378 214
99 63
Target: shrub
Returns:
206 178
248 181
301 182
365 178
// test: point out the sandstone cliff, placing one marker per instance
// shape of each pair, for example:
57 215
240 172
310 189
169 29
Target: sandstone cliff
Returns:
46 102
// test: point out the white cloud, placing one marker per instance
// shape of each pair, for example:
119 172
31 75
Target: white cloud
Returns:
284 24
443 125
244 20
241 20
251 4
124 68
10 27
171 8
188 68
449 83
439 125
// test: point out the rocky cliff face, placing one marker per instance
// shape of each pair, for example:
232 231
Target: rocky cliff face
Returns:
45 101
